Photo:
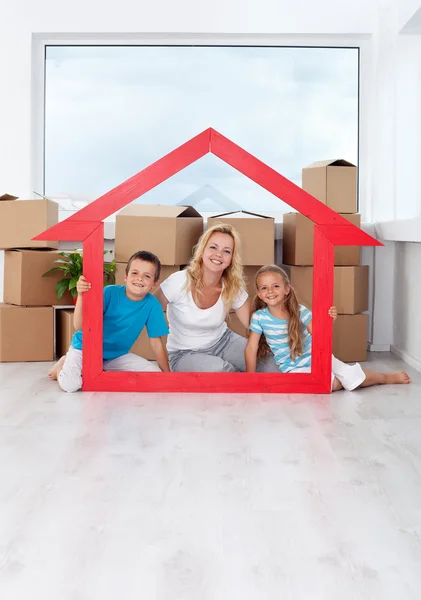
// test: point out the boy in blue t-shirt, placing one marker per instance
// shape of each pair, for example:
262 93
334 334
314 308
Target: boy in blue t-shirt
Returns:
127 309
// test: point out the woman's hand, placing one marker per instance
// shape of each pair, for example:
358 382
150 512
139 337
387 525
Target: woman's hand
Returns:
82 285
333 312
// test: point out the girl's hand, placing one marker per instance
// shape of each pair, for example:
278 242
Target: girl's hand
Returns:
333 312
82 285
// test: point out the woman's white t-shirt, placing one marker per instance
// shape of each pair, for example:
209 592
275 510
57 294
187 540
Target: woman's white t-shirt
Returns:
191 327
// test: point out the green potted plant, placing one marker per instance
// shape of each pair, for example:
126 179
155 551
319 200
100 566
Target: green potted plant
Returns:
71 266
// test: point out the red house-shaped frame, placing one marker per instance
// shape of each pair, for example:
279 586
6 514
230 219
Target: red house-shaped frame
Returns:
331 229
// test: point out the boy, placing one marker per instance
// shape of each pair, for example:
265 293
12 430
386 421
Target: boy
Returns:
127 309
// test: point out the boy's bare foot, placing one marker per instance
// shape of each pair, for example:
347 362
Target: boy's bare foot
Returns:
53 372
397 377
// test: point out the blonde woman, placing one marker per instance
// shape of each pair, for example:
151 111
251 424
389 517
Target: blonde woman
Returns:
199 299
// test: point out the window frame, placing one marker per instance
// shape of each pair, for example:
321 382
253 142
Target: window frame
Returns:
41 42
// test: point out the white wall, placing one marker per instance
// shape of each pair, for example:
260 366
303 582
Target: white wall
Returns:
407 294
190 16
407 15
395 155
390 108
26 21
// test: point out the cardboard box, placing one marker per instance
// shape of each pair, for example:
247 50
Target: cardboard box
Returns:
166 271
257 234
333 182
250 278
21 220
142 347
298 240
26 333
350 338
64 330
350 291
235 324
170 232
23 281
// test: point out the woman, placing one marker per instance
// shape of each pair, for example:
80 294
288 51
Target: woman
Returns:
199 299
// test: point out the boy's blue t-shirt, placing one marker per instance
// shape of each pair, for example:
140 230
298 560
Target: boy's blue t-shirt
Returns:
124 319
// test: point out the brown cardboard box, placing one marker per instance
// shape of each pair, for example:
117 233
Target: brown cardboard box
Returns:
64 330
350 291
21 220
235 324
26 333
257 234
350 338
142 347
23 281
298 240
249 278
333 182
166 271
170 232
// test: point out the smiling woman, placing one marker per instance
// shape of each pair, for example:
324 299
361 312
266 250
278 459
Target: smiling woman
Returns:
198 301
112 110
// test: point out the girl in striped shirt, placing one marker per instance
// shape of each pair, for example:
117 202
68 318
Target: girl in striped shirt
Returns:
281 325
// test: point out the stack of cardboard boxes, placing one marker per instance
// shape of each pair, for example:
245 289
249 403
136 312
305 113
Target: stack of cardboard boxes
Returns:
170 232
335 184
27 314
257 236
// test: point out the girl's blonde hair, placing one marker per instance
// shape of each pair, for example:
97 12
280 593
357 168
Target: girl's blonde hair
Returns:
295 327
232 277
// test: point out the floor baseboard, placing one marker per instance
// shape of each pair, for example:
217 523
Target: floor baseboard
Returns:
379 347
413 362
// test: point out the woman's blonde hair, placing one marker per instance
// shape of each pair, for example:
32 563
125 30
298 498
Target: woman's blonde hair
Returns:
295 327
232 277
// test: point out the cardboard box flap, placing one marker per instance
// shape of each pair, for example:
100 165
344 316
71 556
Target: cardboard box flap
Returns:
240 214
338 162
159 210
8 197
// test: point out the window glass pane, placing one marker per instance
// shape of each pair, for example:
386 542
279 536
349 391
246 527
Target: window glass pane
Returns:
110 111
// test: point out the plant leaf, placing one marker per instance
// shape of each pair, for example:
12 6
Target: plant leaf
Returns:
61 287
73 282
51 270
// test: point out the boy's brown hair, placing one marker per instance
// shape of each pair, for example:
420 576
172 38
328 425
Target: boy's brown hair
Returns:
147 257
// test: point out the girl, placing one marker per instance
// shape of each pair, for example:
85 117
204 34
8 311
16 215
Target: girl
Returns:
199 299
281 325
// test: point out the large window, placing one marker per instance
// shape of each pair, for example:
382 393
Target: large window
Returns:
110 111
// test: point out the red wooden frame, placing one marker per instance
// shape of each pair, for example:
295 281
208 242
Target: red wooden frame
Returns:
331 229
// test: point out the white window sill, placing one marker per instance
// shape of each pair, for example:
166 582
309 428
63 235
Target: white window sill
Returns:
403 230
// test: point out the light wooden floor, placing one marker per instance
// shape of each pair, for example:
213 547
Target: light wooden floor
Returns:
137 497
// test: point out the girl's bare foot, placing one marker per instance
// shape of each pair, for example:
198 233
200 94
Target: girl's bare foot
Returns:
397 377
53 372
336 385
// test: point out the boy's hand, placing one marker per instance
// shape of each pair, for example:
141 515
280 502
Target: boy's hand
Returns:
82 285
333 312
